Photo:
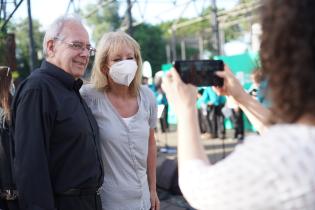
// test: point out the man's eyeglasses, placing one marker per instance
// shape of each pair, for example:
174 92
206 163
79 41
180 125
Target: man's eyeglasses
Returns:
5 68
78 46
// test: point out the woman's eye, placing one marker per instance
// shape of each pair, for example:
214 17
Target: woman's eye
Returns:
117 59
130 58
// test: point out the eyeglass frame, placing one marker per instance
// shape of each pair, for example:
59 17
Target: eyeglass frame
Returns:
8 69
91 49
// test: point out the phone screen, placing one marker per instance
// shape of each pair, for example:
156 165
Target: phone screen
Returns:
200 72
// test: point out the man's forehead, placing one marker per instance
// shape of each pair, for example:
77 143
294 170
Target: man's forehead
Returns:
75 31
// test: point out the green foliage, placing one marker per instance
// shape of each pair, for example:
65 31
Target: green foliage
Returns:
186 31
243 25
150 39
102 20
246 1
189 29
2 48
232 33
21 31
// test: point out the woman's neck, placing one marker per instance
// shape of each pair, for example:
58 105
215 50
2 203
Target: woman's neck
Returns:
120 91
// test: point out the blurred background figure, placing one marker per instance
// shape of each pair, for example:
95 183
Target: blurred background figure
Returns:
256 78
8 193
236 115
205 101
218 117
211 106
259 87
145 80
161 102
238 123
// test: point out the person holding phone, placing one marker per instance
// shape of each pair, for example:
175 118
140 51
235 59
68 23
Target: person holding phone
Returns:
276 169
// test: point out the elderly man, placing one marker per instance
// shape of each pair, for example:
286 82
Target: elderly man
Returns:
57 162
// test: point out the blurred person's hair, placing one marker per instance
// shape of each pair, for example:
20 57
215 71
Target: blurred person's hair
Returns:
110 44
257 75
157 80
288 57
5 83
144 80
55 29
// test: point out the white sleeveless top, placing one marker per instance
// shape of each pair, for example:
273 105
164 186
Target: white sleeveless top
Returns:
274 171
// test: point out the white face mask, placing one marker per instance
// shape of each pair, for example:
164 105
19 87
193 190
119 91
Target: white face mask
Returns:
123 72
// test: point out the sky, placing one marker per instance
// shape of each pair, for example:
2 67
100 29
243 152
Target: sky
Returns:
150 11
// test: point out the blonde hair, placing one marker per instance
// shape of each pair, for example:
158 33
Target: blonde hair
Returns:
110 43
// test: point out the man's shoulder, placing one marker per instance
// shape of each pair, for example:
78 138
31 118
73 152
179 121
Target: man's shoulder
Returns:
37 80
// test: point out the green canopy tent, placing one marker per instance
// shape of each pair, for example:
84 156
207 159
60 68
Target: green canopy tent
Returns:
242 64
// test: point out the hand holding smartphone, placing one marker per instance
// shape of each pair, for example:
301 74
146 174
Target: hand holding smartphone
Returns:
200 72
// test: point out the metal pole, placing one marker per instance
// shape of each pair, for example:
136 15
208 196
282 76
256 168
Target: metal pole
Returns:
183 49
200 46
215 27
130 29
168 53
6 20
31 38
174 43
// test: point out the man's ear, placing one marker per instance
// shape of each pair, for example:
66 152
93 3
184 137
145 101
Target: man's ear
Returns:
50 48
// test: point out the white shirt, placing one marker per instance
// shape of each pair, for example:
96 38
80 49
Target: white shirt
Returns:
127 120
124 149
268 172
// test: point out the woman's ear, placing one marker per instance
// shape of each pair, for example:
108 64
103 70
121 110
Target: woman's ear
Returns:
104 70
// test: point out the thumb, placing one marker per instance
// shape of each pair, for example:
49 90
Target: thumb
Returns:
223 73
175 76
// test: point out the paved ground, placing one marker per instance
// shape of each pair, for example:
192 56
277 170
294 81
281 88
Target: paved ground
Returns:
216 150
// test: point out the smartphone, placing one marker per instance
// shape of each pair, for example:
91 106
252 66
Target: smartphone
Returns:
200 72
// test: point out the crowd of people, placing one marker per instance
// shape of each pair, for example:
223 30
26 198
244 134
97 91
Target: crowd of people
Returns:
73 144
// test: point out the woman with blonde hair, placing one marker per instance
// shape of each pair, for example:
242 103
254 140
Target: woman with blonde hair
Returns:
126 113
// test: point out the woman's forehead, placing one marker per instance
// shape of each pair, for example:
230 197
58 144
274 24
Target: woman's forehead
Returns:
121 49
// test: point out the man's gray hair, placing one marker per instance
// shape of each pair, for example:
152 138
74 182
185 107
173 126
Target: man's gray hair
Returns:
56 27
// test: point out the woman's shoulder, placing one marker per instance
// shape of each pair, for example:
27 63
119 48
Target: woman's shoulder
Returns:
91 95
145 90
88 89
291 130
284 137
